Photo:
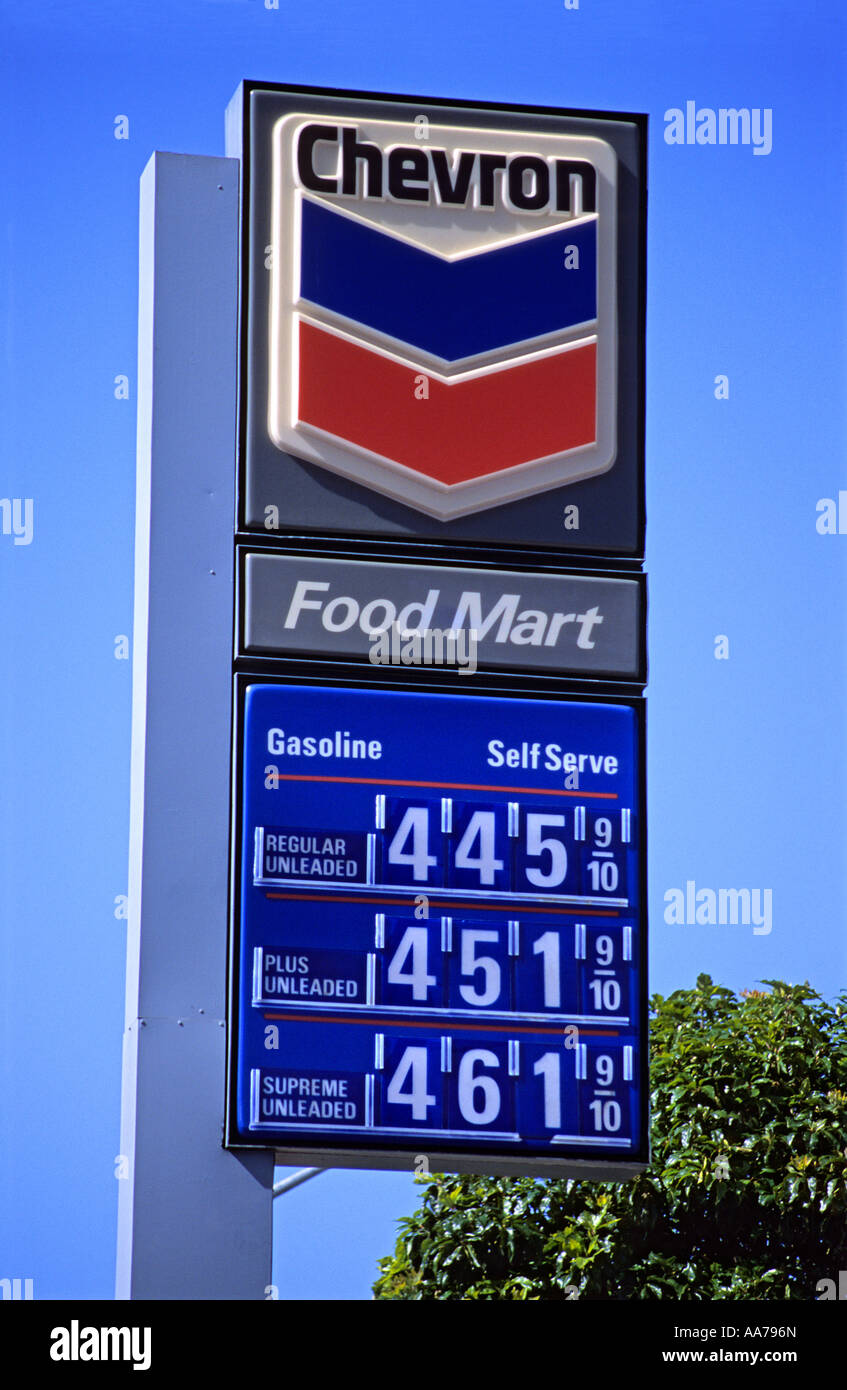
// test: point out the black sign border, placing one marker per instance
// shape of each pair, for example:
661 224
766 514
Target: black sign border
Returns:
353 553
639 119
448 1158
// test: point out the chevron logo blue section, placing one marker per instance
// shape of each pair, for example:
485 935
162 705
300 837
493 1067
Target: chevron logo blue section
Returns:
450 309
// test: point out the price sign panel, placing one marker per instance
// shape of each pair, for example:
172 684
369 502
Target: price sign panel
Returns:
439 938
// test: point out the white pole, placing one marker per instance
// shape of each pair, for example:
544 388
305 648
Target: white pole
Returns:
194 1221
286 1184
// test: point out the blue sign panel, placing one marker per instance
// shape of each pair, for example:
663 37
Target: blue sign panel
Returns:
440 935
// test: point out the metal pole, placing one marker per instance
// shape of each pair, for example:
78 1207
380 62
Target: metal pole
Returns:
286 1184
194 1221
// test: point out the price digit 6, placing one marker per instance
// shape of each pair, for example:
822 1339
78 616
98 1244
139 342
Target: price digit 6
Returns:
472 1086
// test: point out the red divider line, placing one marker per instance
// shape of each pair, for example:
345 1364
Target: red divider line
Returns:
446 1025
472 907
454 786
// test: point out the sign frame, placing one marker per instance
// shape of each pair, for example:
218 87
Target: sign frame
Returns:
402 1156
617 527
481 565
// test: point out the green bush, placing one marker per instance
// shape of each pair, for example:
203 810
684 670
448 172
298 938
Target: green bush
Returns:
746 1195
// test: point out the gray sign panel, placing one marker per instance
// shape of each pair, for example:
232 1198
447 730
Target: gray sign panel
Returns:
570 624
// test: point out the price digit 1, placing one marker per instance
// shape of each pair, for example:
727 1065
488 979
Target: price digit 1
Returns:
548 947
549 1066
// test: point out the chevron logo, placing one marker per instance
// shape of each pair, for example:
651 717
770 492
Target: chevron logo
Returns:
443 325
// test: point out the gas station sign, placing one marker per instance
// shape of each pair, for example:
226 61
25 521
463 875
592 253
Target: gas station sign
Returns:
441 942
438 913
444 315
388 828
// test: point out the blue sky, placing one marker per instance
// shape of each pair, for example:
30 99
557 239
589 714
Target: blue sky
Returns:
746 278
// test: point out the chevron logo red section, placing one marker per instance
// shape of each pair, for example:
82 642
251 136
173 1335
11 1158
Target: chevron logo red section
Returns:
370 400
448 343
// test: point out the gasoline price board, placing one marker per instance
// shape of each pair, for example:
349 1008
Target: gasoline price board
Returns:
439 928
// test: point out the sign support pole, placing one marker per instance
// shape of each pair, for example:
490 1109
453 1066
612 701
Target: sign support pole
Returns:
194 1220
